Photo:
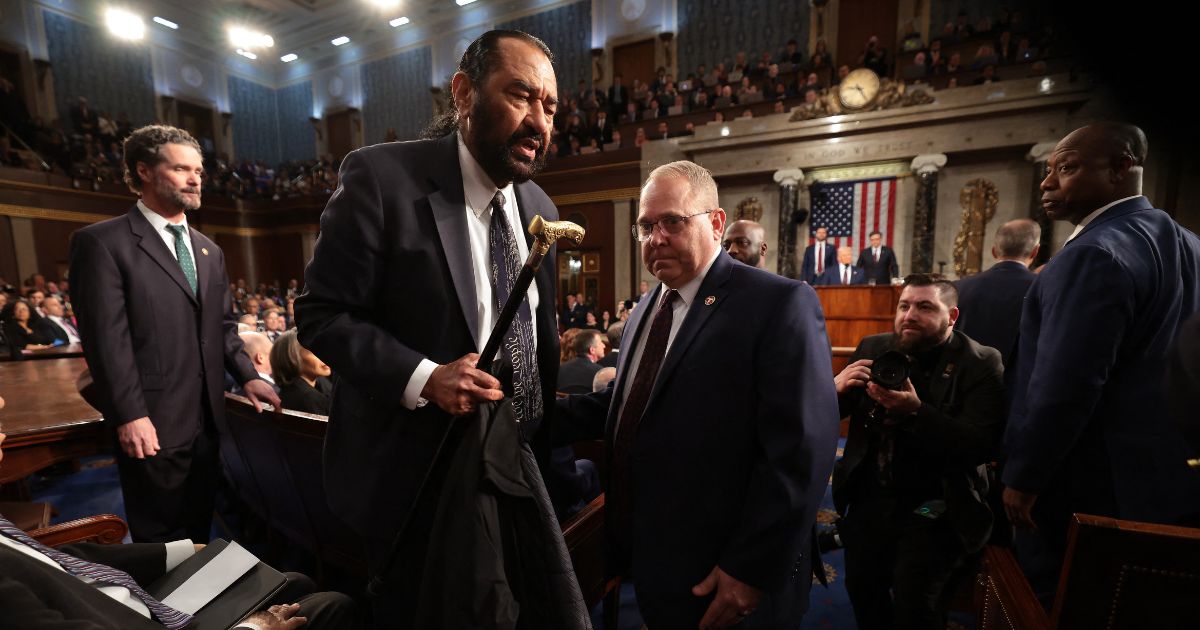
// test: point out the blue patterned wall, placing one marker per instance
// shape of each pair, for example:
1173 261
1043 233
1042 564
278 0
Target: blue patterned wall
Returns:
396 94
255 121
710 31
567 31
114 76
294 104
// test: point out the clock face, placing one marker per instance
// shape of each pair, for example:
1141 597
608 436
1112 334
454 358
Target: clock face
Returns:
858 89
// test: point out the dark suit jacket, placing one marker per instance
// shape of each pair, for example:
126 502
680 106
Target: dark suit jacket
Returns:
300 396
956 429
757 445
391 283
883 271
51 330
989 305
833 276
37 596
602 133
18 338
153 348
1089 413
809 268
575 376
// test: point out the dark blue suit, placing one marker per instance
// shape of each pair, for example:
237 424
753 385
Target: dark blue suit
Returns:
833 276
989 305
1088 430
808 270
734 449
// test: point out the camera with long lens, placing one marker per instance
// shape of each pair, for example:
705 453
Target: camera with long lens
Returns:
891 369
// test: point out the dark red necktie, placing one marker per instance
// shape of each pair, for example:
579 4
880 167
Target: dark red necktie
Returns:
620 491
877 256
845 275
820 259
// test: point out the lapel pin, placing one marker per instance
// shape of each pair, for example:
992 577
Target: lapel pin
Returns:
708 301
204 250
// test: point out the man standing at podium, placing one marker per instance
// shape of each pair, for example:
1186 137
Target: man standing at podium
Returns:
878 261
818 257
844 273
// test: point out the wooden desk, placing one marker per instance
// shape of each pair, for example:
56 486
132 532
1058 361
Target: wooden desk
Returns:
68 351
46 420
852 313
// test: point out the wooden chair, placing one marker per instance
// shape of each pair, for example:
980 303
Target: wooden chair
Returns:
584 536
104 529
1116 575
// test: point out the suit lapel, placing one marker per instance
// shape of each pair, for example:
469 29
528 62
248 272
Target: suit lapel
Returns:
204 264
450 217
1117 211
945 371
154 247
625 358
698 313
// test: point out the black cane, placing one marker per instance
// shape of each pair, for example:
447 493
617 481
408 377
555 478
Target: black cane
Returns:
545 234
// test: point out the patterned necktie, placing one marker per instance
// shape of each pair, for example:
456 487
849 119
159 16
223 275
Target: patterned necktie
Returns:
517 350
104 574
621 485
184 256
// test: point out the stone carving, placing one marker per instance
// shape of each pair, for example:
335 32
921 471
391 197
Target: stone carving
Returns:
750 209
979 199
892 95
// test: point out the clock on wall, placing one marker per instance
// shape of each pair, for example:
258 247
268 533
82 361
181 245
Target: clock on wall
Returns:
632 9
858 89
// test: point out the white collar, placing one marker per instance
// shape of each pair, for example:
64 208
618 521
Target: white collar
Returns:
687 292
157 221
478 188
1091 217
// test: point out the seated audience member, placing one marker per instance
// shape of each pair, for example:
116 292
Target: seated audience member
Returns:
257 346
917 69
602 378
250 306
302 377
273 324
604 322
614 333
575 376
663 131
912 484
987 76
248 320
566 345
21 328
820 57
35 298
844 273
55 325
990 302
101 586
778 108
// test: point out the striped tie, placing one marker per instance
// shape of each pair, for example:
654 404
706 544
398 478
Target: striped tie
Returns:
165 615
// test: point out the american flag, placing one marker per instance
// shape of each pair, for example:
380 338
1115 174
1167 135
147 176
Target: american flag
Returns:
850 211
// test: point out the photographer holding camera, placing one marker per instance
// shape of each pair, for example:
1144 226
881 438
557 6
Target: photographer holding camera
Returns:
926 407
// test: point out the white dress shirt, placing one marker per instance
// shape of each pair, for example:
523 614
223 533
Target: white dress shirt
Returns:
160 227
177 552
1091 217
845 274
679 310
67 326
478 191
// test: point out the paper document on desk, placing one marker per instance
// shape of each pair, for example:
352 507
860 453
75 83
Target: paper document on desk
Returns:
212 579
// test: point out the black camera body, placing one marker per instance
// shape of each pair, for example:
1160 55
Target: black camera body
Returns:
890 369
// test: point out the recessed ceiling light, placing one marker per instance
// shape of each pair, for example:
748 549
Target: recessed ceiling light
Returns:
247 54
167 23
400 21
124 24
385 4
290 57
463 3
340 40
246 38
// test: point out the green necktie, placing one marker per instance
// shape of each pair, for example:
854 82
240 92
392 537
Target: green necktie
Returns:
184 256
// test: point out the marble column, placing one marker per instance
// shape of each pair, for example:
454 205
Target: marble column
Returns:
925 214
1038 156
789 188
